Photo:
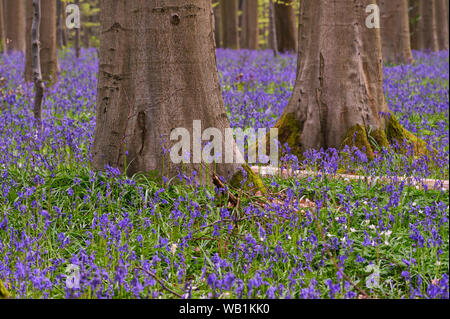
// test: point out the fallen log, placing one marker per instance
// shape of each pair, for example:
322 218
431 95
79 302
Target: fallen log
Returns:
419 183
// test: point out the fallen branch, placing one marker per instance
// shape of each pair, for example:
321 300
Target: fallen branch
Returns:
285 173
160 282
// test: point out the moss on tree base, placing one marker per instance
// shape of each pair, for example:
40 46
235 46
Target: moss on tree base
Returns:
290 132
394 134
365 139
357 136
4 294
397 134
252 180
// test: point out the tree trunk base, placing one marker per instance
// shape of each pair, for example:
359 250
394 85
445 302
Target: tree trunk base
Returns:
251 181
366 139
4 294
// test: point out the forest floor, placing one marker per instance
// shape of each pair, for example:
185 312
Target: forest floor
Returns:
66 231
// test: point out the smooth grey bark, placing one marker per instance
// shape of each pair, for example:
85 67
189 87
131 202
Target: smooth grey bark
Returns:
218 24
427 28
15 25
157 72
77 36
414 17
230 23
395 35
286 28
59 23
272 29
339 83
36 62
442 24
250 31
47 38
2 28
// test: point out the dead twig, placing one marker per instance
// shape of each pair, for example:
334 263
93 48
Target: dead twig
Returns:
160 282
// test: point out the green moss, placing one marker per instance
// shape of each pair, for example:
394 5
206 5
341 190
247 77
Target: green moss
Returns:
357 136
252 178
379 135
3 291
396 133
290 132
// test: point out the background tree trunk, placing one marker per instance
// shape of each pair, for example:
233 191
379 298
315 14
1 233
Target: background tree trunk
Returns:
48 44
427 30
37 75
442 24
157 72
77 35
414 17
218 24
15 25
59 23
272 29
2 28
250 32
339 84
230 25
395 36
29 16
286 26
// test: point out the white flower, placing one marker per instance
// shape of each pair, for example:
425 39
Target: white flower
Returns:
372 227
352 230
173 248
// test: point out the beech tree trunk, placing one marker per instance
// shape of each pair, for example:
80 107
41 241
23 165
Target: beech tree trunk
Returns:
442 24
218 24
272 29
286 26
77 36
59 23
395 36
249 38
339 85
2 28
414 17
48 44
157 72
15 25
230 23
427 28
36 63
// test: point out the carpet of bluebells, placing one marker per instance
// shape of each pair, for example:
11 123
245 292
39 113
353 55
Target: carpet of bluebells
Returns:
138 238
